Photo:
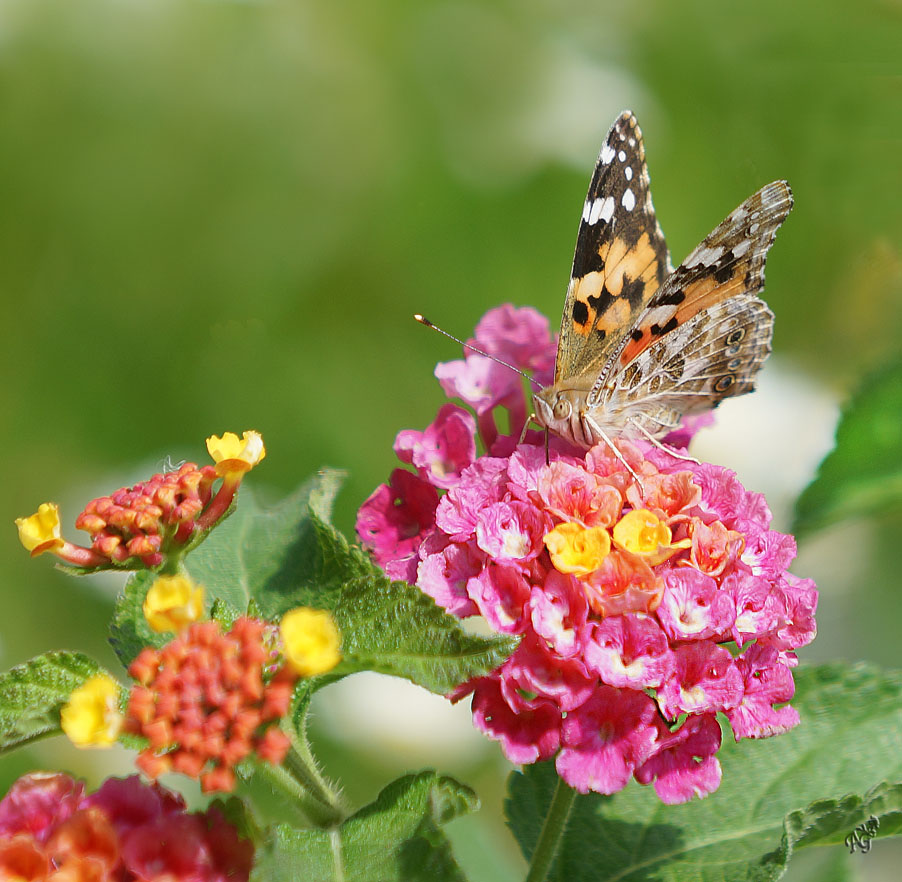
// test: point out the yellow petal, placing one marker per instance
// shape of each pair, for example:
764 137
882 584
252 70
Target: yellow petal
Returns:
576 549
172 603
311 641
91 717
234 454
40 532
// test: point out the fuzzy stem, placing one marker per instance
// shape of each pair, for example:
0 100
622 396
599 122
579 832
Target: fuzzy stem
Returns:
300 763
552 832
306 809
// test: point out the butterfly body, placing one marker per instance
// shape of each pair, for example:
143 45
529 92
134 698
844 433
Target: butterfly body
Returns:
642 345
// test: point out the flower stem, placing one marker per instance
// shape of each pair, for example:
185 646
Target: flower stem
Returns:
300 763
552 832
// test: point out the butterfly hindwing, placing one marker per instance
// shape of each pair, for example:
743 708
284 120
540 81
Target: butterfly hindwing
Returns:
714 355
620 260
729 262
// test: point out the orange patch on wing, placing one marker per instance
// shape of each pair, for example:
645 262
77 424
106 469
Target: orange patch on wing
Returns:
706 292
615 316
699 295
622 265
634 347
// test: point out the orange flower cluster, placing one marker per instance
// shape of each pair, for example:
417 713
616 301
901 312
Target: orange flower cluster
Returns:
208 699
142 526
134 522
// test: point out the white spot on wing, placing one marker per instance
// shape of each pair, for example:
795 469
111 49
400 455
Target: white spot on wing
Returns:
622 155
705 256
628 171
629 200
598 209
607 154
742 247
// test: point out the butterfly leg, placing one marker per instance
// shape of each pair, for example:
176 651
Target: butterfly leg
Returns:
525 428
669 450
604 437
529 419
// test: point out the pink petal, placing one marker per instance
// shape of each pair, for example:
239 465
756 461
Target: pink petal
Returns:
629 651
693 606
606 739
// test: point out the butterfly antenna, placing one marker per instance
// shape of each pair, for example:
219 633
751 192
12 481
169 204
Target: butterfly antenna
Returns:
425 321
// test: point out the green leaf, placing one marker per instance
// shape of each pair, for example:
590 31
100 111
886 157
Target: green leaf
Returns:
267 554
394 628
862 475
397 838
289 556
31 695
811 786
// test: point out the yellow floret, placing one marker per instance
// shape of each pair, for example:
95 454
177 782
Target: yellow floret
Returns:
311 641
173 603
234 454
576 549
642 532
91 717
40 532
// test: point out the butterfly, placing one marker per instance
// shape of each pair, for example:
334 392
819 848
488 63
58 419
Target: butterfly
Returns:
641 344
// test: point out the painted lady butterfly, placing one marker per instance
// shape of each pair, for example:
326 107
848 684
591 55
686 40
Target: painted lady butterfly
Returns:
642 344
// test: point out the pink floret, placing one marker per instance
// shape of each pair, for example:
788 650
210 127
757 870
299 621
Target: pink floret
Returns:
684 765
766 682
444 449
606 739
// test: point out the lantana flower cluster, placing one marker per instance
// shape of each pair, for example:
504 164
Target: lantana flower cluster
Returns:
645 607
126 831
139 527
208 699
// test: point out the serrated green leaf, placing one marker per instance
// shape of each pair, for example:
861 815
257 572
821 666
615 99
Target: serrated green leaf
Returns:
397 838
31 695
394 628
862 475
812 786
267 554
289 556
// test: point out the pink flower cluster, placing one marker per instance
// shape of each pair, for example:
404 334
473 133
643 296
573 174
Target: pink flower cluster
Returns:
124 832
628 595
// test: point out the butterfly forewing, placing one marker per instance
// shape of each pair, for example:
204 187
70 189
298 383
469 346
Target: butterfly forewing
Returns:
729 262
620 260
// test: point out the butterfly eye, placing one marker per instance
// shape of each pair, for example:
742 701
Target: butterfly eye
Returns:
562 409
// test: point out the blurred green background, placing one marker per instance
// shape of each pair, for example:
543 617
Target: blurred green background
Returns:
221 215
